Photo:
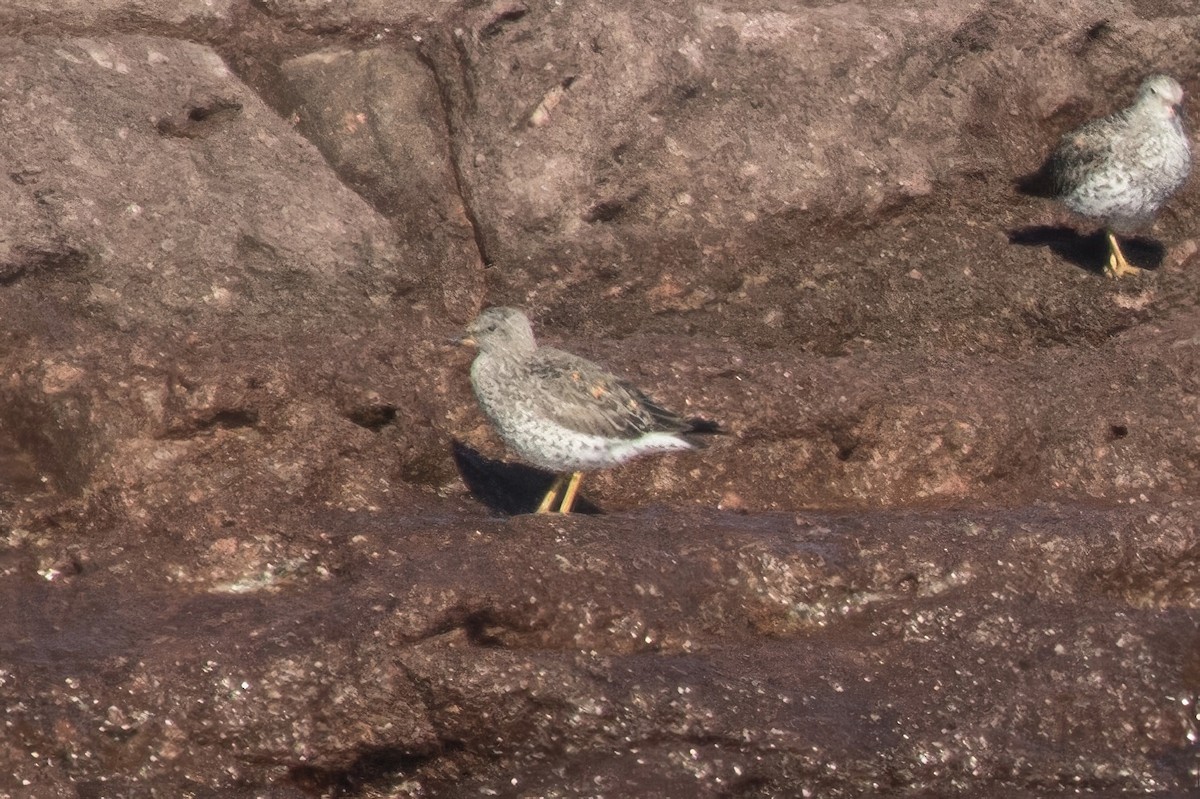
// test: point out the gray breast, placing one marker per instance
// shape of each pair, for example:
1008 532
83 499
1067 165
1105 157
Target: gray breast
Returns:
1123 168
564 413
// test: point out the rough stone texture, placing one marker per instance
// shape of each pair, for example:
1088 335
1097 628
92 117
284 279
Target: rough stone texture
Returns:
249 539
687 653
766 169
120 14
376 115
360 16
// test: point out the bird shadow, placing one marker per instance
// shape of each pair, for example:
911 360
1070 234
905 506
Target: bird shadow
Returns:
1090 252
507 488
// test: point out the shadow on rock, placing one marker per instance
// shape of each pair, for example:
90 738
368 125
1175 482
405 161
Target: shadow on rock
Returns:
1090 252
508 488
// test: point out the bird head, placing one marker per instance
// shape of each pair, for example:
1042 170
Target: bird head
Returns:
500 329
1161 94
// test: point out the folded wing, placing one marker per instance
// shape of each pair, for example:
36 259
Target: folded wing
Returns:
582 396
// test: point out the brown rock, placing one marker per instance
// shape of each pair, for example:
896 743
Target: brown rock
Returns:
99 15
777 651
357 16
947 548
377 116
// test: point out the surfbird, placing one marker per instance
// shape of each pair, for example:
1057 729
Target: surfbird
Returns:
1122 168
564 413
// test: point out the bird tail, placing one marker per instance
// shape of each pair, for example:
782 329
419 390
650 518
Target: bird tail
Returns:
1038 184
697 428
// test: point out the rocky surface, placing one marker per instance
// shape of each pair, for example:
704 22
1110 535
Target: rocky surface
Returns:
258 540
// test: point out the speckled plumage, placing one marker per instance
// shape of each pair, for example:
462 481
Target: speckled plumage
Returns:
562 412
1122 168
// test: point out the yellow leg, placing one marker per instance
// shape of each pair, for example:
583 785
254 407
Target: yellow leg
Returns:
551 495
1117 265
569 495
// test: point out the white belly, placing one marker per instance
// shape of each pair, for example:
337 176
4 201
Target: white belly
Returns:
551 446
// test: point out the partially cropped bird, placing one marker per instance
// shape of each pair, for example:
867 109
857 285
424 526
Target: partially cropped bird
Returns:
1122 168
564 413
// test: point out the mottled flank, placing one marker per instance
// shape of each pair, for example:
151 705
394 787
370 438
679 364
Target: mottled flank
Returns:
562 412
1122 168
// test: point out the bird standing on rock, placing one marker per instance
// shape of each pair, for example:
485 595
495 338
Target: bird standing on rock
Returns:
564 413
1122 168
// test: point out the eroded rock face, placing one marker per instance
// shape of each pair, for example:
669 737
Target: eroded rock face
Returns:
758 654
103 16
765 171
359 17
251 540
377 116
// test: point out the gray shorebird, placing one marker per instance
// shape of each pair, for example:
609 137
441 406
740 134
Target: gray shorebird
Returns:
1122 168
564 413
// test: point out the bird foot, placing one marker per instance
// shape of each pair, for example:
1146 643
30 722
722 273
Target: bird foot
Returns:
1117 266
569 488
568 500
551 496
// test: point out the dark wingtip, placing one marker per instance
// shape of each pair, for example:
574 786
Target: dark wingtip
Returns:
704 427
